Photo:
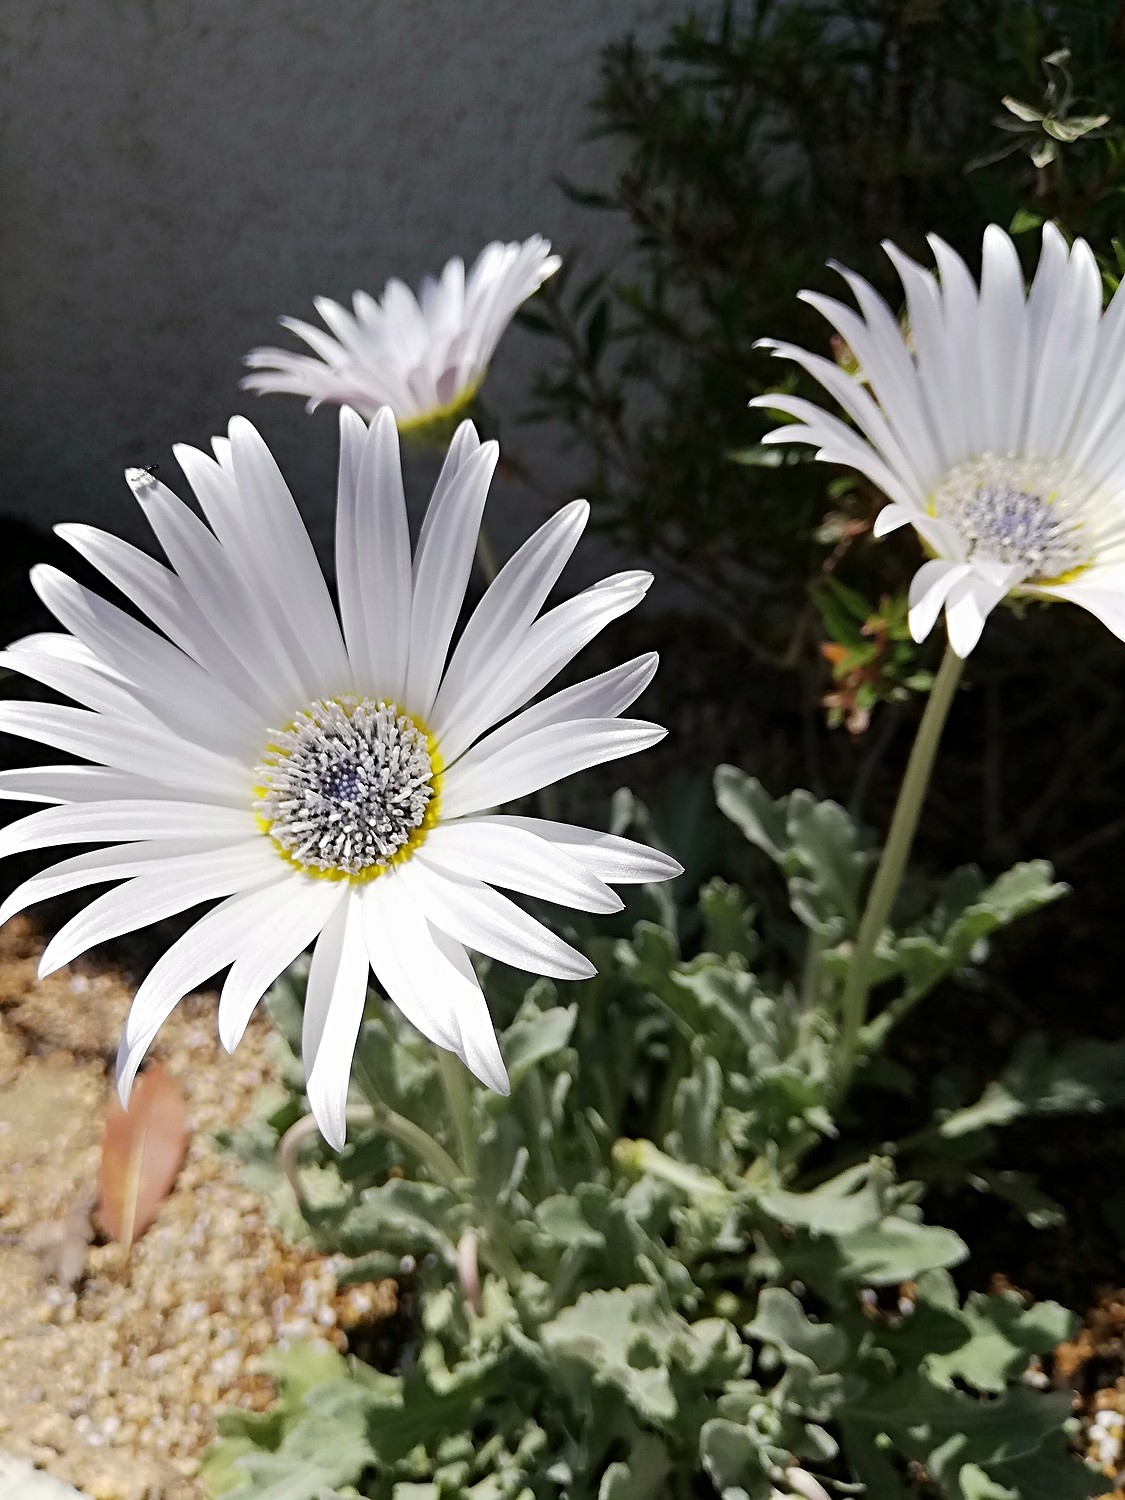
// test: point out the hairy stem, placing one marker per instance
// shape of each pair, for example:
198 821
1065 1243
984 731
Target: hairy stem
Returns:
896 852
409 1135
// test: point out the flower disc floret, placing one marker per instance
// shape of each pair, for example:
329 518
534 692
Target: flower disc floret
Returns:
348 788
1019 512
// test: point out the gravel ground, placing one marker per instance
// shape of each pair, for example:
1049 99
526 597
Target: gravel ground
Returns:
113 1365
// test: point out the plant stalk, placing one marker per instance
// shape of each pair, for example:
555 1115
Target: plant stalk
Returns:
896 852
407 1133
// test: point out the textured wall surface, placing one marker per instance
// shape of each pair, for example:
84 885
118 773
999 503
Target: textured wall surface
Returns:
175 173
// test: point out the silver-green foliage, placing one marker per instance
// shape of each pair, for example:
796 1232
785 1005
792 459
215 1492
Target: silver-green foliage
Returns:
672 1300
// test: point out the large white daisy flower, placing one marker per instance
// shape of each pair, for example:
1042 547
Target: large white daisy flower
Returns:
425 356
327 778
997 429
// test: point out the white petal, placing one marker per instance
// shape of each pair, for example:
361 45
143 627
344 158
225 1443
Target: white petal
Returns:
499 625
462 446
62 663
203 950
274 523
106 822
256 553
546 647
891 517
334 1002
98 866
880 350
605 696
1046 287
968 605
399 940
240 644
1104 603
613 859
837 443
164 598
441 573
373 556
164 890
75 784
1101 413
185 697
1003 340
928 591
959 299
519 861
153 752
933 355
302 906
472 913
483 779
1063 364
480 1048
850 393
430 979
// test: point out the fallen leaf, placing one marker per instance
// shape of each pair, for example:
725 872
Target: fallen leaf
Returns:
141 1153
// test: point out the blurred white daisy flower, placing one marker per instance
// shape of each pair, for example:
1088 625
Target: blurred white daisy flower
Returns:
326 778
997 430
426 356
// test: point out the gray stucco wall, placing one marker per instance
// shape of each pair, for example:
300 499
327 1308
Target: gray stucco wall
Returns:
175 173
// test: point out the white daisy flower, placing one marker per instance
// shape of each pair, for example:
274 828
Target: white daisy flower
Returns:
329 779
997 431
425 357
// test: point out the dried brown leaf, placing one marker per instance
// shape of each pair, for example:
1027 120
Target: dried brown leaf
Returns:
141 1154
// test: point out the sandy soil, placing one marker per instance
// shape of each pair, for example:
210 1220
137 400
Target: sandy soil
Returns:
113 1366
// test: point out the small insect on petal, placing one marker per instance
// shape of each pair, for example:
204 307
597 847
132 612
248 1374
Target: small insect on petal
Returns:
142 1150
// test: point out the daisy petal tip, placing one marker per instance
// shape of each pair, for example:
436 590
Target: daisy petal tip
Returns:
126 1074
331 1123
242 433
918 627
383 424
49 963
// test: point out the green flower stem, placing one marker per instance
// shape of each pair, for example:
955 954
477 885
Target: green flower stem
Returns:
495 1245
409 1135
459 1099
896 852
